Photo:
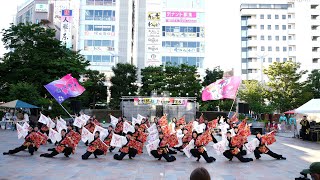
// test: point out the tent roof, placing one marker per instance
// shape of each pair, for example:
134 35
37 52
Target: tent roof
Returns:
18 104
290 112
312 106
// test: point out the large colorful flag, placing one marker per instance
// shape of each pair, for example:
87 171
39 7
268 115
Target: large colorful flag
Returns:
222 89
118 141
65 88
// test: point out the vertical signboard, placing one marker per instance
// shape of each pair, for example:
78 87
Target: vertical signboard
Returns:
153 33
66 23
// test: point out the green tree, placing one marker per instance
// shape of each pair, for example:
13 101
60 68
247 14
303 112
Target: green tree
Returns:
178 80
212 76
25 92
96 90
152 78
253 93
123 83
284 89
37 57
313 83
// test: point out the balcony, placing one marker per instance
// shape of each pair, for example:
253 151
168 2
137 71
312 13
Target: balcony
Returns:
315 21
291 10
252 32
252 54
316 54
315 32
292 54
252 21
291 31
252 43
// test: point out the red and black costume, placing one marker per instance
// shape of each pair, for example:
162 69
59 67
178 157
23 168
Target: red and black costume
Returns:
200 142
233 144
132 148
163 151
32 142
263 149
119 127
97 148
108 139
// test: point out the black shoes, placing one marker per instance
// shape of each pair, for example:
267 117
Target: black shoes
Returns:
5 153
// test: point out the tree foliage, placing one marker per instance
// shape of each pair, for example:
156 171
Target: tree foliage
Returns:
178 80
254 93
313 83
96 90
36 58
123 83
284 88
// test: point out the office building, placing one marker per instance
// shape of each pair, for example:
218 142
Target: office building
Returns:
167 31
277 31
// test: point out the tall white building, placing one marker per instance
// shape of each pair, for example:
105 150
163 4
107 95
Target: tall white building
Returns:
168 31
277 31
105 33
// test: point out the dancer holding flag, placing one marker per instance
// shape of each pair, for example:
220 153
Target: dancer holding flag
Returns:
108 139
262 148
162 150
200 141
96 147
233 143
129 148
32 140
64 146
119 127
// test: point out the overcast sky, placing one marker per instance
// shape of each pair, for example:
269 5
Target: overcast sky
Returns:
222 31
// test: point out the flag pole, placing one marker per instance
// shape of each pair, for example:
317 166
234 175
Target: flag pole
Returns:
235 98
66 111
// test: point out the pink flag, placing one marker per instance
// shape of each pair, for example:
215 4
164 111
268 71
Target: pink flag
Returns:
222 89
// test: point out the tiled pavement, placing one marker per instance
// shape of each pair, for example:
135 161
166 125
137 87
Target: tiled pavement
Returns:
23 166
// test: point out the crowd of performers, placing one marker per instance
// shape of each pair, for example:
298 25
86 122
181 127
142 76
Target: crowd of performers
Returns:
162 139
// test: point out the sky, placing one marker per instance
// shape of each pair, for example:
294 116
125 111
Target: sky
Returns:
222 32
7 12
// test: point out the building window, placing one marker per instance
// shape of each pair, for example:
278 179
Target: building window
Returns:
284 27
270 60
244 60
269 16
100 15
278 59
269 27
101 2
261 16
315 60
262 27
276 27
277 38
269 48
269 38
276 16
262 48
289 16
284 38
290 48
284 59
290 37
284 16
244 71
262 38
187 31
192 61
277 48
284 49
249 71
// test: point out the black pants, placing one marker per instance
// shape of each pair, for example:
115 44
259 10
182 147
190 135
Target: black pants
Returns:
67 152
111 148
304 135
257 154
229 156
197 154
132 153
166 156
21 148
172 151
96 153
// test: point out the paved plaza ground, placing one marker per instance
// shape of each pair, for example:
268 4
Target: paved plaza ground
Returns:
23 166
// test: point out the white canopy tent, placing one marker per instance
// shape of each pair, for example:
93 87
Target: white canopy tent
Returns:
312 106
